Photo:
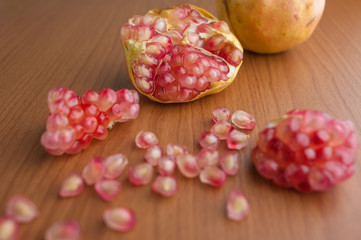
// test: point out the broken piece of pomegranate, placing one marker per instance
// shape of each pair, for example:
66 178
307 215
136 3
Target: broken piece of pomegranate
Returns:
74 121
307 150
180 54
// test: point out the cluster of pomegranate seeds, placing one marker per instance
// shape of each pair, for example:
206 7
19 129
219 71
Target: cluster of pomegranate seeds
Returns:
307 150
74 121
65 230
19 209
237 206
120 219
179 53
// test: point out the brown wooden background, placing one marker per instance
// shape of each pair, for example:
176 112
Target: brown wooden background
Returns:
75 44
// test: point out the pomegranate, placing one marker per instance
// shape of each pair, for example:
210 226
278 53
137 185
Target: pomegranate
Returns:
74 121
180 54
307 150
271 26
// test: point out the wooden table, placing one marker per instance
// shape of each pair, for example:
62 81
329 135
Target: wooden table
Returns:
75 44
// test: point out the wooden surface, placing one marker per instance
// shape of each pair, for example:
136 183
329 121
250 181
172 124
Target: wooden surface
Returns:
75 44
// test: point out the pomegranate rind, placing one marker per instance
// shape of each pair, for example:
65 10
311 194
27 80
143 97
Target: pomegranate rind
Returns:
134 49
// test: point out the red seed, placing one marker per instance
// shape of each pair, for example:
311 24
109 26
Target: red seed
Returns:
140 174
9 228
243 120
66 230
213 176
209 140
72 186
229 162
237 206
22 209
114 165
165 186
221 129
93 171
176 149
166 165
237 140
145 139
153 154
107 189
187 165
220 114
207 157
119 219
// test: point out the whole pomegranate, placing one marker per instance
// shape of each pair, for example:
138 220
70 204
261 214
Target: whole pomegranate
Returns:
180 54
307 150
271 26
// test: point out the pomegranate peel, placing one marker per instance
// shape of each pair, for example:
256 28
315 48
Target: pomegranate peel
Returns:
180 54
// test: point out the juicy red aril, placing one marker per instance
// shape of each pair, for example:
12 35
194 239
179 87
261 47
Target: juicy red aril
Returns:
66 230
93 171
114 165
221 129
119 219
243 120
237 206
9 228
220 114
22 209
145 139
229 162
153 154
72 185
187 165
307 150
166 165
107 189
176 149
209 140
165 186
237 140
74 121
140 174
207 157
177 39
213 176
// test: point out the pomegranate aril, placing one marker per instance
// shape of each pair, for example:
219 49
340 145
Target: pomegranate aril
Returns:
107 97
100 132
72 185
153 154
155 49
209 140
215 43
107 189
9 228
166 165
320 179
187 165
66 230
188 81
243 120
229 162
222 26
93 171
119 219
220 114
160 25
176 149
213 176
207 157
213 75
165 186
90 97
221 129
267 167
140 173
145 139
22 209
231 54
164 40
56 122
114 165
237 140
166 80
237 206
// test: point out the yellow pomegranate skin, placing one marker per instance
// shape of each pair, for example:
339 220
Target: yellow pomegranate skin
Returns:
271 26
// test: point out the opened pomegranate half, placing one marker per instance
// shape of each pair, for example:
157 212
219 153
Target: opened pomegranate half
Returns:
180 54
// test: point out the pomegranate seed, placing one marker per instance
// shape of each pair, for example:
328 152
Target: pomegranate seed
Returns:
145 139
140 174
229 163
222 26
114 165
220 114
72 186
66 230
243 120
153 154
307 150
207 157
237 140
215 43
9 228
213 176
22 209
165 186
188 165
107 189
119 219
221 129
237 206
176 149
93 171
166 165
209 140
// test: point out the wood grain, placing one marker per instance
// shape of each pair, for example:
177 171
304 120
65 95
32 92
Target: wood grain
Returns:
75 44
